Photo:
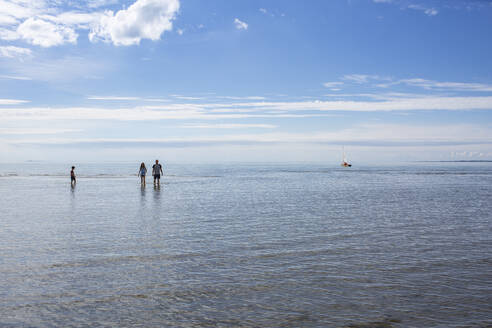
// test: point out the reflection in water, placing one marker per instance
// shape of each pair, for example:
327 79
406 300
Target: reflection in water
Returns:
142 192
72 197
157 201
143 202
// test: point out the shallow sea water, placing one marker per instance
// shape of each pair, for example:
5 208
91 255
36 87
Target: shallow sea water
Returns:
246 246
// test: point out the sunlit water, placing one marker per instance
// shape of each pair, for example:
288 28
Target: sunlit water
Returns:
246 246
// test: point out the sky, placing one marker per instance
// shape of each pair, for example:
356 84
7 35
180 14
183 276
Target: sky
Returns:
245 81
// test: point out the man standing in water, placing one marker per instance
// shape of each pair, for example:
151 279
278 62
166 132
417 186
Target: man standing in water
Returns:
157 171
73 180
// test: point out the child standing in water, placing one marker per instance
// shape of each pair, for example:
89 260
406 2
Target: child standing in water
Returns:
142 172
73 180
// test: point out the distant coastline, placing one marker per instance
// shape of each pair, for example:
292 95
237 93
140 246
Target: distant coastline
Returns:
460 161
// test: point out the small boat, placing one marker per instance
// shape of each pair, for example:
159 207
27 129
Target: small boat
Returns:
345 163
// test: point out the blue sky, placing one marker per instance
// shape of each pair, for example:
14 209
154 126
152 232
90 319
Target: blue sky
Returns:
207 81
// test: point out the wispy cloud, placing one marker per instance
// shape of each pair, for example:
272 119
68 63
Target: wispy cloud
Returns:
143 113
386 82
240 110
62 69
112 98
374 135
14 52
332 84
229 126
406 104
361 78
429 11
186 97
12 77
439 85
241 98
100 3
240 25
12 102
34 131
138 99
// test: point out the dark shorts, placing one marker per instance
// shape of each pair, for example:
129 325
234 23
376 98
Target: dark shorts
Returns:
157 176
72 178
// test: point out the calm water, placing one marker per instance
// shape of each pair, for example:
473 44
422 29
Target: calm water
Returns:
246 246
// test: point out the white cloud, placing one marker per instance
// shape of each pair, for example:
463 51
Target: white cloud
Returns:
263 10
23 131
156 99
429 84
374 135
416 133
13 77
240 25
145 19
7 19
22 9
8 35
360 78
112 98
12 102
229 126
399 104
332 84
240 110
74 19
46 34
437 85
141 113
61 69
386 82
14 12
13 52
241 98
186 97
431 12
428 11
44 23
100 3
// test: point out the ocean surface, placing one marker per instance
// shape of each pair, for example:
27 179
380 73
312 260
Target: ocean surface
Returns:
246 245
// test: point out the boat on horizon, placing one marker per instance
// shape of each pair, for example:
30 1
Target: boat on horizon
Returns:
345 163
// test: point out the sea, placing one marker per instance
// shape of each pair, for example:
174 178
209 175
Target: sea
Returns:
246 245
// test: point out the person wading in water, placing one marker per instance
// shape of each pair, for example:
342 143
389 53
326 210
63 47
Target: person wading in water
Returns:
73 179
142 172
156 172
